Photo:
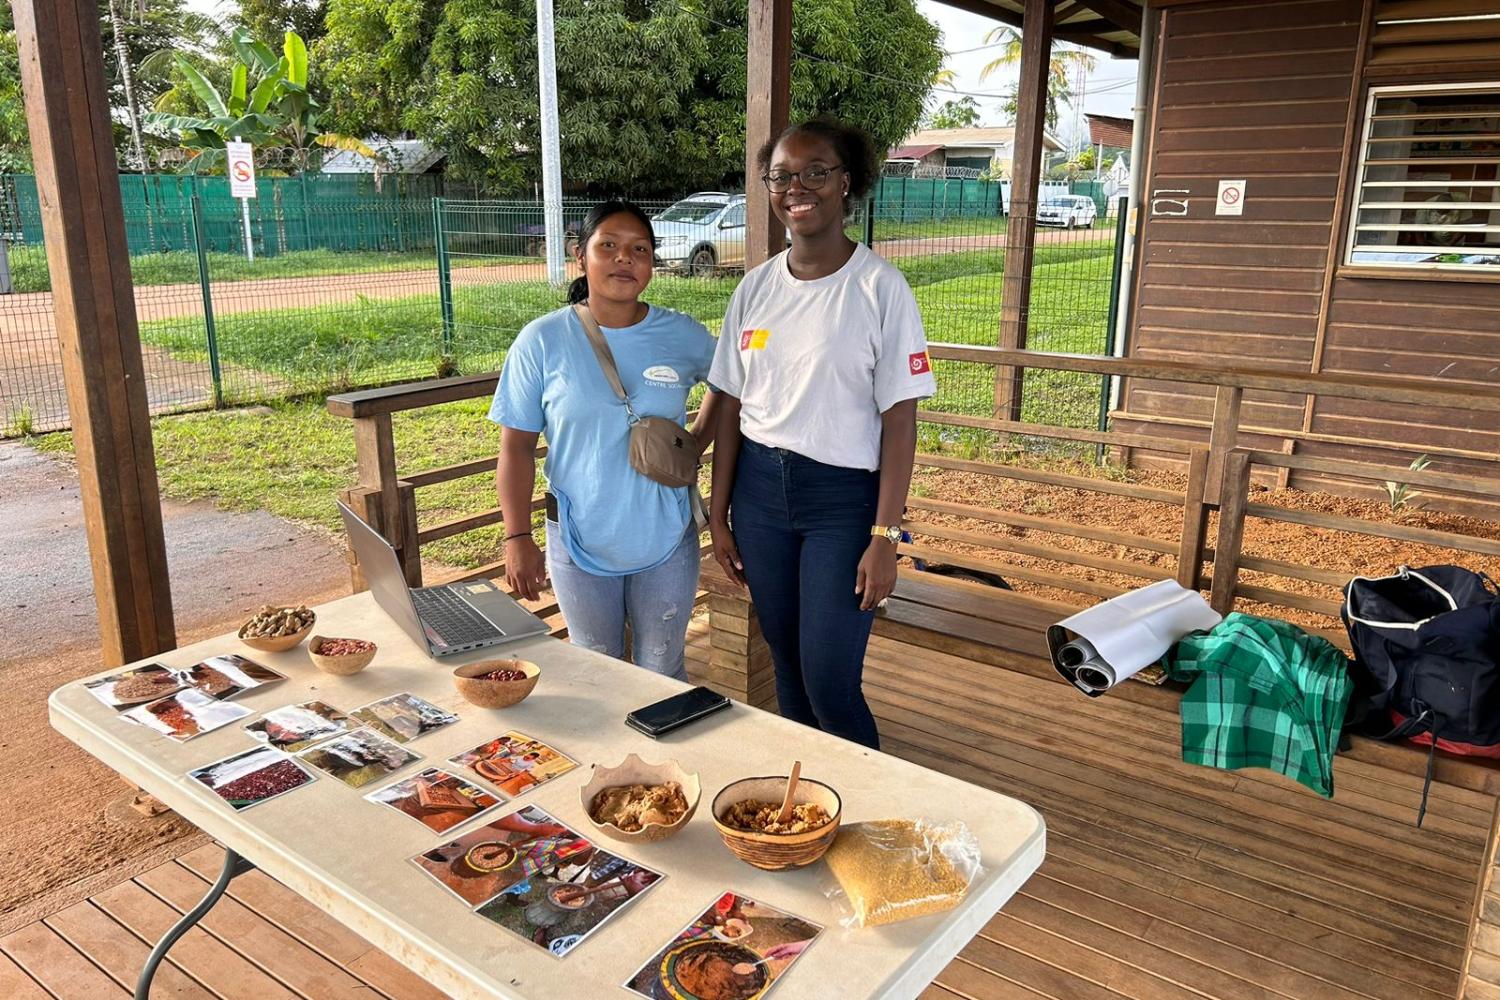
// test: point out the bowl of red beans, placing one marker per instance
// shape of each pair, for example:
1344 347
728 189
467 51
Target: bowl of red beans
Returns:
340 657
496 683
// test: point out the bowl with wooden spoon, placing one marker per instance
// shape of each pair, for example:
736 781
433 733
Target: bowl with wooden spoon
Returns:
778 822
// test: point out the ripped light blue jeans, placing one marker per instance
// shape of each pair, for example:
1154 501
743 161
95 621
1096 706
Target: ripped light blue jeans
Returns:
656 604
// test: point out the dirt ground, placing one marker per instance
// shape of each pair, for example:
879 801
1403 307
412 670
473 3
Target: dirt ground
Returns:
1335 550
65 824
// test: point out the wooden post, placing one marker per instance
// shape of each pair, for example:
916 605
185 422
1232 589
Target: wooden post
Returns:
67 110
375 459
739 665
1025 181
1223 436
768 89
1194 522
1231 531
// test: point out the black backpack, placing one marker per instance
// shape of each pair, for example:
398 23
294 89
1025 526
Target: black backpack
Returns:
1427 659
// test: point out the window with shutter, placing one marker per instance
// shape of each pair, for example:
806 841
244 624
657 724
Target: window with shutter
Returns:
1428 189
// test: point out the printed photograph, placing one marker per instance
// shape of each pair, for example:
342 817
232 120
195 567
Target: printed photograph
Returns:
135 687
297 727
403 717
228 675
557 908
252 777
489 859
735 950
515 762
186 714
359 757
436 799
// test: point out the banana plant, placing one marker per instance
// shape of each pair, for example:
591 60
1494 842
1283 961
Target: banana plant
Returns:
278 110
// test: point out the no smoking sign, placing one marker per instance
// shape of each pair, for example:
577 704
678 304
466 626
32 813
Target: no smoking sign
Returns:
241 169
1231 199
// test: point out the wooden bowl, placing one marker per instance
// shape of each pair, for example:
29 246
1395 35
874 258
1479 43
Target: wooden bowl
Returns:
280 643
495 694
634 771
342 665
778 851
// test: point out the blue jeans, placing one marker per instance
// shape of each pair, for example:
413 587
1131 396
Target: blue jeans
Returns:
801 528
657 604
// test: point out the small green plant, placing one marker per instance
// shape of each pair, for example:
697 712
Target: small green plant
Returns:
1402 498
21 422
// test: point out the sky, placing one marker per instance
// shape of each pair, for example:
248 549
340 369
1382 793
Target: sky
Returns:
1110 89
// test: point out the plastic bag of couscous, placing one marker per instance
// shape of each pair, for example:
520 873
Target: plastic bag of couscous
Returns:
897 869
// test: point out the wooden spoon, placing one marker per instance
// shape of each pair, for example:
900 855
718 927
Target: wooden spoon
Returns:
575 896
791 791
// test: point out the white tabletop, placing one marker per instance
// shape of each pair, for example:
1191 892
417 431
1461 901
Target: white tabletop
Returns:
350 856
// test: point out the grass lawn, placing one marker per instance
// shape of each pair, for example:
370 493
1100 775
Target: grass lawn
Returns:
29 265
291 458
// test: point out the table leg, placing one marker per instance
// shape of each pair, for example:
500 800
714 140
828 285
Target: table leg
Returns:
233 865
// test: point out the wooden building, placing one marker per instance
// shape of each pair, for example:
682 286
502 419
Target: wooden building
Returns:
1362 237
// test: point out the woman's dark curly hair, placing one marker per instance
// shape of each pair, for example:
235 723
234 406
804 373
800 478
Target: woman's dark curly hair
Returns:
853 145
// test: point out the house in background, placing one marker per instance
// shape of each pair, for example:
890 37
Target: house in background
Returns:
1111 138
1363 239
938 152
397 156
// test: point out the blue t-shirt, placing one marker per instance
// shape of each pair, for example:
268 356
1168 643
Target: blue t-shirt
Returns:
614 520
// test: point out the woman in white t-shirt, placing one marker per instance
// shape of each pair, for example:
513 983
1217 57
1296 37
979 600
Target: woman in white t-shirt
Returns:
821 362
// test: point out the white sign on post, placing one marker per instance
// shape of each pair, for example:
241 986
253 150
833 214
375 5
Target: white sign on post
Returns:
1231 198
241 169
240 163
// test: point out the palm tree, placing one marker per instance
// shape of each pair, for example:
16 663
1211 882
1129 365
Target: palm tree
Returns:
1065 63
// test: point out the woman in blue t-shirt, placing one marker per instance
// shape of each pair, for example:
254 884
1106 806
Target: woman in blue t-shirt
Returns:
621 548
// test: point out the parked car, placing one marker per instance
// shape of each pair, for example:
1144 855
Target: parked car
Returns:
1067 210
702 234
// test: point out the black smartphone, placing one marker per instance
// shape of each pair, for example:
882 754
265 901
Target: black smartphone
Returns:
675 712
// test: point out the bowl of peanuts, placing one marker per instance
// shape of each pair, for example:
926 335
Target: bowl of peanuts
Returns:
340 657
275 630
496 683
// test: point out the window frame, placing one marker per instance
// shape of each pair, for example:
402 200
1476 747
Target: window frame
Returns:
1357 188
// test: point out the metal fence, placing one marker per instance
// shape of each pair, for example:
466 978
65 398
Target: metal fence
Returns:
348 288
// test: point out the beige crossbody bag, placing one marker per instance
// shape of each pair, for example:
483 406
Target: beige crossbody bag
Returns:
662 450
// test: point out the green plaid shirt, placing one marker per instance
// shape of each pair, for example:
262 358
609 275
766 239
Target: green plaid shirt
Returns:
1264 694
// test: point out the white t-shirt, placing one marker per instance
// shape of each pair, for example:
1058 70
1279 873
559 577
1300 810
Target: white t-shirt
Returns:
815 363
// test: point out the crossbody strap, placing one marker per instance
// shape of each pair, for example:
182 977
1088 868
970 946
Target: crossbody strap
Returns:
605 356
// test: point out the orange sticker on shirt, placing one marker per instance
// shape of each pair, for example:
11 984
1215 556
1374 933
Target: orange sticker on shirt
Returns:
754 340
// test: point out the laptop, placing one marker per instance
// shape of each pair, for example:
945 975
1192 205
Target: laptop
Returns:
449 619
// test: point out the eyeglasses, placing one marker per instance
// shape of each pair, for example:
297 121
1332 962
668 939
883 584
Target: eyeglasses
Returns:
813 178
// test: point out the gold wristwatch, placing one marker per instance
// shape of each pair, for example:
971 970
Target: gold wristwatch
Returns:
890 532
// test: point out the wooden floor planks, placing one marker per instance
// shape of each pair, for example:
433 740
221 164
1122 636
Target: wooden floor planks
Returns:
1163 881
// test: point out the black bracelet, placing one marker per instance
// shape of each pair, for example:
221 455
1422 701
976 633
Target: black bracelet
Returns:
519 534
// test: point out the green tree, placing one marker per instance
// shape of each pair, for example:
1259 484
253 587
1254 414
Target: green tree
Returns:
273 18
15 140
651 92
1064 62
962 113
268 104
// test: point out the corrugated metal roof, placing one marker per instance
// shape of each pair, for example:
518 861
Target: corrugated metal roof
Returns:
911 152
1110 131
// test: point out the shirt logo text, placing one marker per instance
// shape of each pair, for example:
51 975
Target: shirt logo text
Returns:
664 376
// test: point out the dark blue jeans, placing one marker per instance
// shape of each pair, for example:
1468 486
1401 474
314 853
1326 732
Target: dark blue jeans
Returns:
801 528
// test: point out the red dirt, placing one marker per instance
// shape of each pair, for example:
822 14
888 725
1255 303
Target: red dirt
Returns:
1339 551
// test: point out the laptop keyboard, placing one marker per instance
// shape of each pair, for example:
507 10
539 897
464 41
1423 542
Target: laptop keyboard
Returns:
451 618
